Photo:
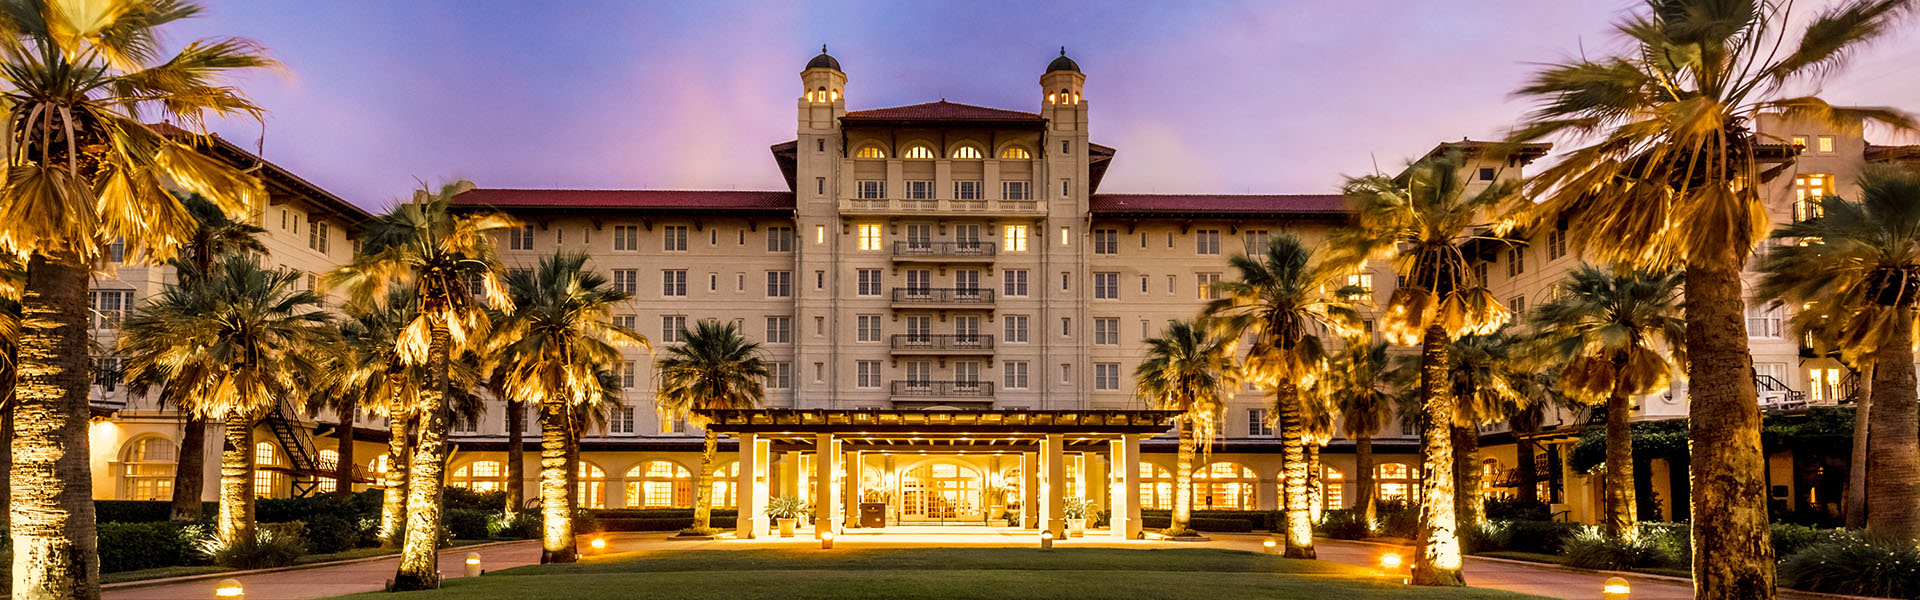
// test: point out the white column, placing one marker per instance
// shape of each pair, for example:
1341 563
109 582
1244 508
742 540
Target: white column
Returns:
1055 489
750 490
826 502
854 466
1029 490
790 474
1126 499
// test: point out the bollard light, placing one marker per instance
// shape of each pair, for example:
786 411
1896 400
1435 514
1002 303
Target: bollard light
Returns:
826 540
1046 540
1390 561
598 544
1269 544
1616 588
473 564
229 588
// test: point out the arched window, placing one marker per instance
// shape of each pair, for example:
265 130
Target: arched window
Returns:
920 153
593 486
1156 487
1397 482
659 484
1333 488
1016 153
149 467
1224 486
329 460
967 152
480 476
870 151
724 480
264 481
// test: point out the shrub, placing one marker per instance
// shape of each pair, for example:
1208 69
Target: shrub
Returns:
1789 538
459 497
1344 524
1591 549
466 523
329 533
142 511
1490 536
270 547
1676 539
656 524
1544 537
524 525
1397 519
131 546
1856 567
1509 509
1221 525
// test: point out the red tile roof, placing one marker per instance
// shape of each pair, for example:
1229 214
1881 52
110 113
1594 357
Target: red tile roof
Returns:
1195 204
276 177
632 200
942 111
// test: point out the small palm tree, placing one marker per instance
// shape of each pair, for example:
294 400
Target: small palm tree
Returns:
1668 176
443 257
1488 387
557 339
1856 272
240 340
714 368
371 353
1282 299
1420 219
1189 369
1364 391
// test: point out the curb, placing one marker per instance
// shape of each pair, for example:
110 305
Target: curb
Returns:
332 563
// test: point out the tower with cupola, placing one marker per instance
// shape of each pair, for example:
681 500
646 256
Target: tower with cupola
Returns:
819 154
1066 159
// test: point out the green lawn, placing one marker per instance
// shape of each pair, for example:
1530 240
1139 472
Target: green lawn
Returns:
938 573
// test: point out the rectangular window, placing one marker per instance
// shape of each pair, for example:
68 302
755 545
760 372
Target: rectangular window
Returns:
626 238
1801 141
867 374
671 326
1106 331
673 238
870 236
622 420
919 190
1106 241
629 375
1106 376
109 307
1823 386
1479 274
1206 281
627 322
1207 241
779 375
1016 374
1106 286
1257 423
1517 304
317 237
869 282
1015 239
779 239
1257 241
1014 282
1556 244
820 186
117 250
1016 329
1486 173
518 238
870 189
966 190
1363 281
1808 189
919 235
1516 261
779 284
1066 373
673 283
867 328
1763 321
779 330
1826 144
1066 326
1066 187
1016 190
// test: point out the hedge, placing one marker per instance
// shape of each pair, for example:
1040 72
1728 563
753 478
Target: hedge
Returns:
133 546
142 511
657 513
659 523
1255 520
1199 523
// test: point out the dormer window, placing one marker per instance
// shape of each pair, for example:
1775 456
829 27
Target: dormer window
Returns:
1016 153
870 152
967 152
920 152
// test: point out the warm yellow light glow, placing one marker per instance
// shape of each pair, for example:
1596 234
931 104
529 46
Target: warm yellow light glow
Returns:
1053 98
836 95
473 558
1389 561
229 588
870 237
1046 535
819 234
1076 97
1014 238
1269 544
809 96
598 543
1616 587
1066 235
826 535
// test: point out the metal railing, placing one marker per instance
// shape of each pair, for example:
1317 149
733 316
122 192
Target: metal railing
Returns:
921 341
943 389
913 295
943 249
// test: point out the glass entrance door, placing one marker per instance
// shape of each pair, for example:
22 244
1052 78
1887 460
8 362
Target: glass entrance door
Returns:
941 494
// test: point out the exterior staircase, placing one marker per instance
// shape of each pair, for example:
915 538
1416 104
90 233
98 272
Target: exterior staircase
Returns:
303 461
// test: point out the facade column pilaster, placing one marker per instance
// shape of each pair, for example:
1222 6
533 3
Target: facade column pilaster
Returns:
1125 522
826 499
1055 488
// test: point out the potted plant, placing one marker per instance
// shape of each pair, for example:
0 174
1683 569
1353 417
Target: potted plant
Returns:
784 510
1076 511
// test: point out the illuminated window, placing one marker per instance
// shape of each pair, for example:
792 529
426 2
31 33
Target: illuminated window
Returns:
920 152
870 151
723 483
329 460
1364 281
1224 486
149 468
1015 238
1807 191
1156 487
1016 153
479 476
967 152
1207 281
593 486
870 237
1396 482
659 484
1333 487
1823 386
1826 144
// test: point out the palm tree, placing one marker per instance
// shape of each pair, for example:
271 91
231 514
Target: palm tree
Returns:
1282 300
441 256
83 170
714 368
370 340
1856 272
560 335
1609 330
1364 391
1421 218
1669 178
232 345
1488 387
1189 369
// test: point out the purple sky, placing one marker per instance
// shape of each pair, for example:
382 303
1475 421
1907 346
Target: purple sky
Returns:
1233 97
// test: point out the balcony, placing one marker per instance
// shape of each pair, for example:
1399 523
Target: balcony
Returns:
953 298
942 345
931 206
942 389
944 252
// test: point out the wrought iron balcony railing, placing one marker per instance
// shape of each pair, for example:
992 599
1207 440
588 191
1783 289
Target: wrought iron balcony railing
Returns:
943 249
943 389
916 295
929 342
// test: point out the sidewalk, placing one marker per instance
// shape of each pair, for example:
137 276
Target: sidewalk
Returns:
326 581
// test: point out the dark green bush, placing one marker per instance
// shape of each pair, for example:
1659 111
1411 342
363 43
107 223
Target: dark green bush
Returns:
1591 549
1509 509
132 546
1397 519
1861 568
466 523
1543 537
328 533
1344 524
142 511
459 497
1221 525
656 523
1490 536
656 513
273 545
1676 539
1789 538
524 525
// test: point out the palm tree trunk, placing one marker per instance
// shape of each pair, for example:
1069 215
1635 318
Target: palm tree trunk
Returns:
236 481
393 504
703 490
1893 451
557 542
1316 489
1622 520
1182 521
1857 467
343 473
419 555
1525 477
516 459
6 453
50 513
1367 502
1467 508
1732 556
1299 521
190 472
1438 561
574 433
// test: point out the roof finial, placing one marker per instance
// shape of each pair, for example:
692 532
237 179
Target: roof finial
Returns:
823 48
1063 50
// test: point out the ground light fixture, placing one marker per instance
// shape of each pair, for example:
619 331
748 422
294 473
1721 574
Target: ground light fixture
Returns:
229 588
473 564
598 544
1046 540
1390 565
1616 588
1269 544
826 540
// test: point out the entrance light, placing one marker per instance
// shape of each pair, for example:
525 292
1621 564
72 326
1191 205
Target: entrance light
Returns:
826 540
229 588
1046 540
